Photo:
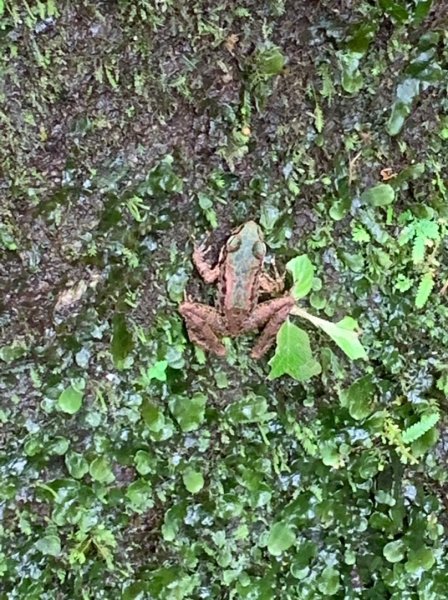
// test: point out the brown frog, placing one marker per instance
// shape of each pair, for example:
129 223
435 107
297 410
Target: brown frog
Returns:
240 277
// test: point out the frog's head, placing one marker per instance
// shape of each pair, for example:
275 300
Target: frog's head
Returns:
248 238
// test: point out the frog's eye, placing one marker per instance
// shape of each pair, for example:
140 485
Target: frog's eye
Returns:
233 243
259 249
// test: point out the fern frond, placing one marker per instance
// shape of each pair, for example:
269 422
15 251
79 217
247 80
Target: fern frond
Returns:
428 229
318 118
424 290
416 431
418 250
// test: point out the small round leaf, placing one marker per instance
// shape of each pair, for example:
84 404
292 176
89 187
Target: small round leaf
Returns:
49 545
193 481
394 551
70 400
281 537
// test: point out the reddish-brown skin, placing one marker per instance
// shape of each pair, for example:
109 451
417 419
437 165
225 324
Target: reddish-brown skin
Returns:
240 280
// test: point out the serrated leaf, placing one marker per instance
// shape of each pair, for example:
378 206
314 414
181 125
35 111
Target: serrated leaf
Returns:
318 118
425 442
281 537
158 370
360 235
302 271
293 354
428 229
418 250
415 431
382 194
424 290
342 333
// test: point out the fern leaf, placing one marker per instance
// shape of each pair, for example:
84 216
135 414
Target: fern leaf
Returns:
424 290
318 118
416 431
418 250
428 229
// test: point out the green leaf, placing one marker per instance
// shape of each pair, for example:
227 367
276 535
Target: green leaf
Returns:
342 333
339 209
143 462
270 62
394 9
362 34
122 342
58 446
382 194
10 353
293 354
152 416
424 290
251 409
351 79
174 517
415 431
100 470
139 493
330 455
70 401
328 583
76 464
418 250
318 118
394 551
425 442
188 412
158 370
357 398
49 545
302 271
406 92
193 481
421 558
281 537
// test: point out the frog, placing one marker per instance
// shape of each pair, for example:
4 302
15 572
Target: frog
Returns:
241 279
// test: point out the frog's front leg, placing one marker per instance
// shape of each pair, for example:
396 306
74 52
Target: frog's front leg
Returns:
272 285
204 325
270 315
209 274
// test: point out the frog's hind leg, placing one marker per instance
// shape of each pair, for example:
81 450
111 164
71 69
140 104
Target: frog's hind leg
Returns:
270 315
204 324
